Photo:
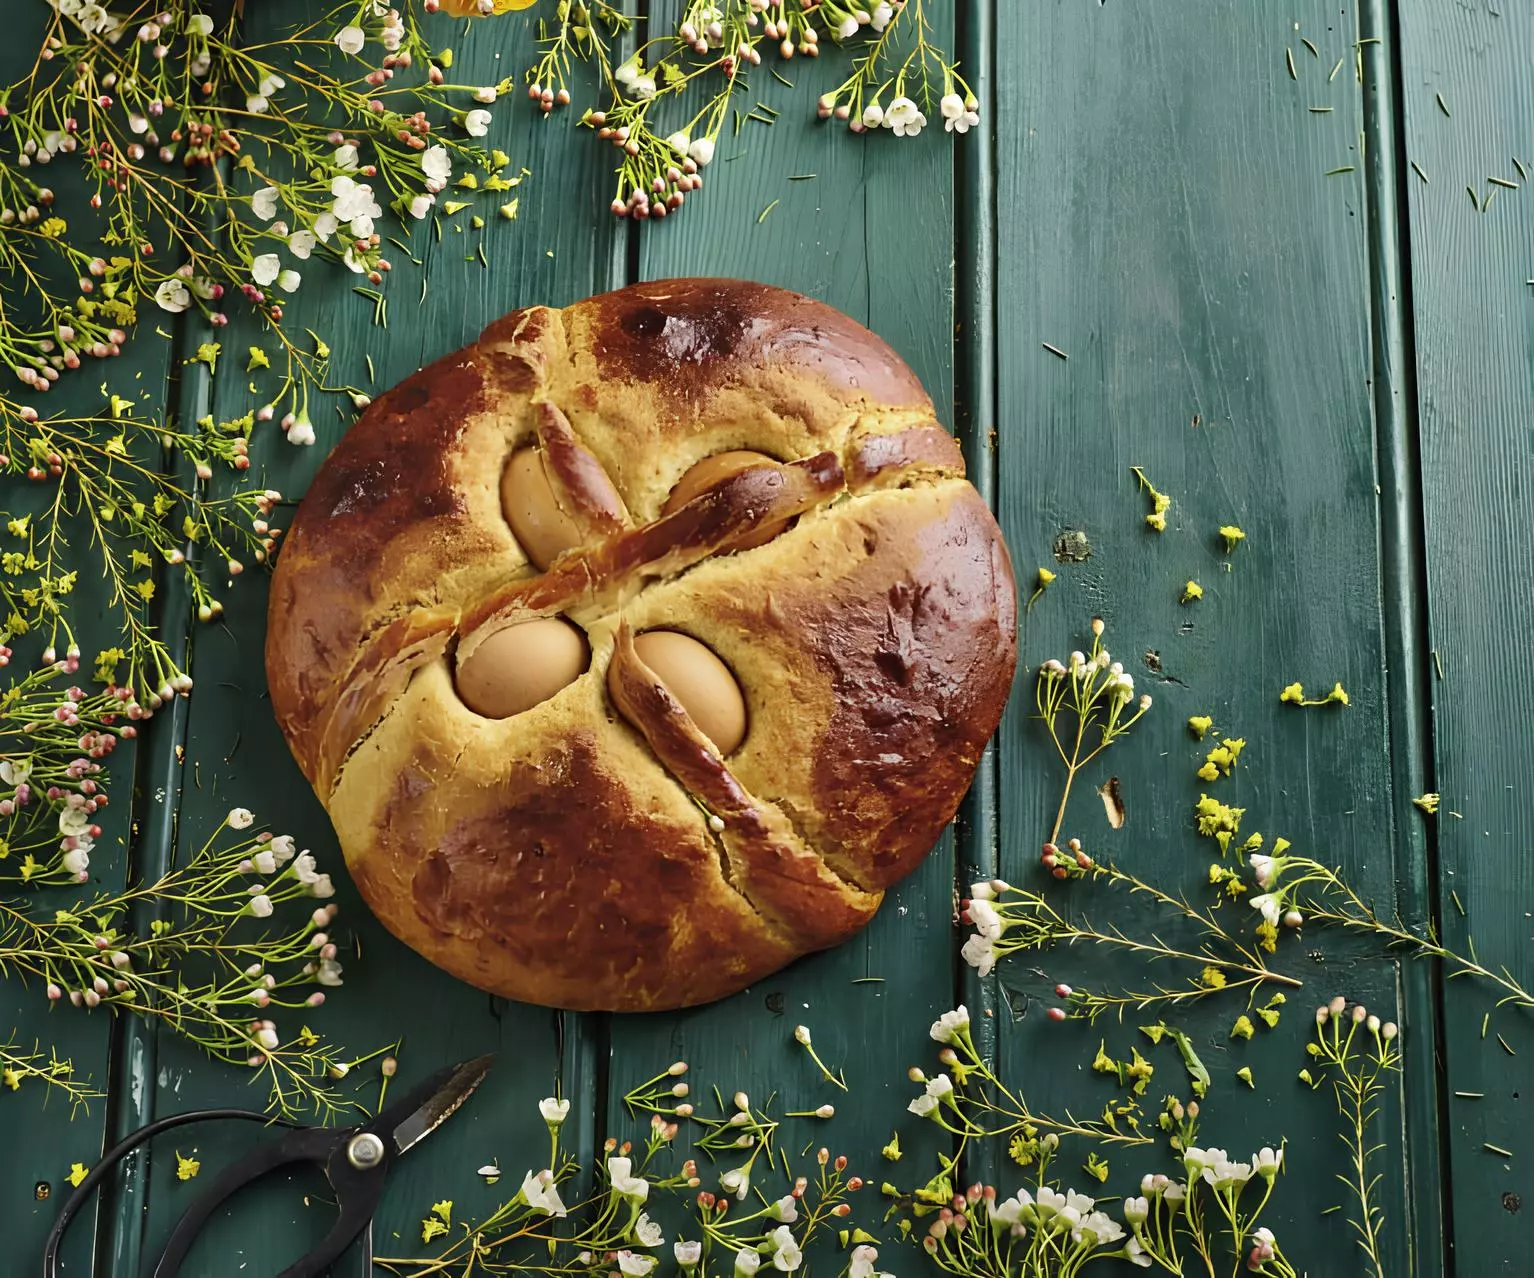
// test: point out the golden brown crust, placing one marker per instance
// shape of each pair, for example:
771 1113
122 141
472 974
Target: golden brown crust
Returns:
566 856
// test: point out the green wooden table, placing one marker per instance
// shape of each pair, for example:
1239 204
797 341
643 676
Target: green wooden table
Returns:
1277 297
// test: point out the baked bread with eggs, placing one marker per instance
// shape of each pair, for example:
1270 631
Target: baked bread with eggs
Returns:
637 648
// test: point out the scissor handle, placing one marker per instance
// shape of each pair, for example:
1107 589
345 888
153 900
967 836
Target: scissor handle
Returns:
357 1190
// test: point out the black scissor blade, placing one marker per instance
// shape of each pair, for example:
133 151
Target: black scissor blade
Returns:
433 1102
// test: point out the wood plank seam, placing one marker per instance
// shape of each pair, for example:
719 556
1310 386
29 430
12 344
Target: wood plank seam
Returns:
977 852
1403 567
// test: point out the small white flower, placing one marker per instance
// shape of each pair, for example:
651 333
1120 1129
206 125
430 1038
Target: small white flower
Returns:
951 105
436 163
679 142
1267 1161
487 94
950 1024
963 123
289 280
264 862
1271 907
647 1232
261 906
265 268
940 1087
266 1037
282 848
172 296
199 24
74 821
322 886
77 860
350 39
476 123
1135 1254
785 1209
736 1181
258 104
1102 1228
873 115
786 1256
633 1265
980 953
553 1110
643 87
241 818
345 157
904 118
847 28
329 973
987 919
702 152
301 244
863 1258
883 12
270 84
138 123
1136 1210
984 890
303 868
540 1193
420 206
202 286
747 1261
15 771
687 1254
326 225
624 1183
923 1106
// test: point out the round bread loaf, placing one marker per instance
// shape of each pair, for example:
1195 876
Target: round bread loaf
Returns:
544 813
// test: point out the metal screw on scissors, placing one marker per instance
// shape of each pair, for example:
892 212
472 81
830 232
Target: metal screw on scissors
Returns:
355 1160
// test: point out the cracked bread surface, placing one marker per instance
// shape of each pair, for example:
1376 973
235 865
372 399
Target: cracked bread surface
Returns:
566 855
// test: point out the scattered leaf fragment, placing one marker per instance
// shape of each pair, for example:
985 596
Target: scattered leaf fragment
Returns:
258 359
1113 803
1245 1075
77 1173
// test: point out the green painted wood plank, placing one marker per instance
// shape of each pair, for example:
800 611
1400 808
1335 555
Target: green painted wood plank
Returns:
872 234
1471 307
235 754
45 1138
1169 223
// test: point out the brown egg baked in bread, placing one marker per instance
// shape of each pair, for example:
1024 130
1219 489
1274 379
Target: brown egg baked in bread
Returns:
727 687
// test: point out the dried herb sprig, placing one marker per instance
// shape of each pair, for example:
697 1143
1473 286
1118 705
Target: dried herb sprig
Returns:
18 1066
1357 1052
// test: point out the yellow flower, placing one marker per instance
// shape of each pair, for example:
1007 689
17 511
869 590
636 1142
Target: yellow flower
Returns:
1242 1028
77 1173
1213 978
1157 521
1102 1064
1267 936
11 1078
1095 1166
1199 724
1045 577
1294 694
1192 591
892 1151
1218 873
1209 772
53 227
1427 802
1232 535
186 1168
1245 1075
1337 694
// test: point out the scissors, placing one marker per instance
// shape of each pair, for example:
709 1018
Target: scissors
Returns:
355 1161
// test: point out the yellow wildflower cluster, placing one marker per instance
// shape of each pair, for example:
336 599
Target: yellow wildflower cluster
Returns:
1221 760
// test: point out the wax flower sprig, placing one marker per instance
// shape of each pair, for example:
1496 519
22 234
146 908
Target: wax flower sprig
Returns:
1356 1052
18 1066
967 1100
146 100
1087 704
1293 889
1203 1219
209 967
107 487
611 1229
